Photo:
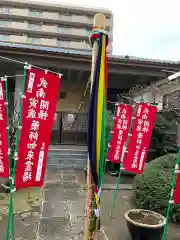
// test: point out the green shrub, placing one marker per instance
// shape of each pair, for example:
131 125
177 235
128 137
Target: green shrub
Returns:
151 189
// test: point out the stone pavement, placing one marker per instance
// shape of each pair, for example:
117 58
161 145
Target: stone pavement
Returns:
27 208
63 208
61 215
115 227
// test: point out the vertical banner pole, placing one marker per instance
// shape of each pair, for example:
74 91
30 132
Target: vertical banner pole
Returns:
10 215
120 170
13 170
173 184
99 22
19 124
116 190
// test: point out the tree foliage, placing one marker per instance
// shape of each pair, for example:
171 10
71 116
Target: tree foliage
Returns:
164 135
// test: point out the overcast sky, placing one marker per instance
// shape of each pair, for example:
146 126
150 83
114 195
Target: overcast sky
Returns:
142 28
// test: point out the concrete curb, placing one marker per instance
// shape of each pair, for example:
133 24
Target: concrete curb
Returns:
113 187
104 187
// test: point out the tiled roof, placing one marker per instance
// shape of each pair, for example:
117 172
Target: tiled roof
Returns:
85 53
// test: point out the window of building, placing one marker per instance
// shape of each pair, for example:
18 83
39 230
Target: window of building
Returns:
35 26
4 23
47 37
35 13
60 29
86 43
64 30
4 37
5 9
63 43
82 122
56 121
34 40
51 12
65 16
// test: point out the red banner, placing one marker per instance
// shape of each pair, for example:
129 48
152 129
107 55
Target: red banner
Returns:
120 132
4 162
39 106
177 188
135 157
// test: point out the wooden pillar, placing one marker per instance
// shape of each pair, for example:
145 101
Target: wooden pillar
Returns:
99 22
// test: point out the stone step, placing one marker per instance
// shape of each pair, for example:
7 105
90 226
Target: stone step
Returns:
67 157
67 147
66 166
67 153
65 161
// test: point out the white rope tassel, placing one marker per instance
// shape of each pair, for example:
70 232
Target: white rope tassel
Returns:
97 212
9 151
12 179
13 190
16 156
172 192
4 79
26 65
22 96
177 171
29 67
176 167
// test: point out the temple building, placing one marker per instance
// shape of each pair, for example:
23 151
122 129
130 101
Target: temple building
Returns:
55 37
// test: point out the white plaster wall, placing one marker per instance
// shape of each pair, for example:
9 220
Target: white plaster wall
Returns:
71 103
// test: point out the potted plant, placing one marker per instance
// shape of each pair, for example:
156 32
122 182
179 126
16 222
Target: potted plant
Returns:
144 224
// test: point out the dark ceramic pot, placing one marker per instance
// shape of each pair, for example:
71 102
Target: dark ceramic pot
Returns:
144 224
